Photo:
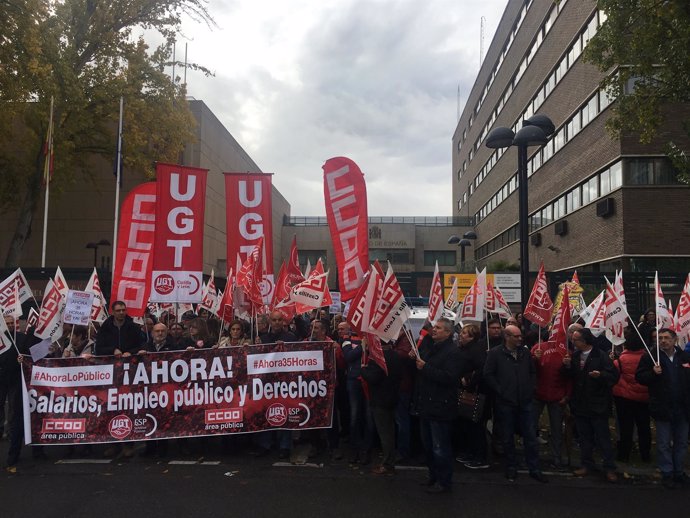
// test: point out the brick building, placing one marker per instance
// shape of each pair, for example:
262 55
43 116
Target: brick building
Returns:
596 203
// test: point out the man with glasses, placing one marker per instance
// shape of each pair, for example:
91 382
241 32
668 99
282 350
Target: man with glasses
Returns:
510 373
668 380
594 376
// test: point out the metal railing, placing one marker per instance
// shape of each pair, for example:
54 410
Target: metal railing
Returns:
424 221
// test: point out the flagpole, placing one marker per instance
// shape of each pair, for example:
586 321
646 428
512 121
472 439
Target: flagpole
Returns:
486 312
118 166
631 321
46 179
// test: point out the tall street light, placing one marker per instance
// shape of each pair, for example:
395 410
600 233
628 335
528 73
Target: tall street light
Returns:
535 131
102 242
462 243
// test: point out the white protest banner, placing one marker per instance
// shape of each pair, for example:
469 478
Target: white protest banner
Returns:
78 308
337 306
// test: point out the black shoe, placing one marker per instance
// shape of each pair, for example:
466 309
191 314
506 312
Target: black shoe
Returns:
539 477
427 482
284 454
511 475
682 479
438 489
365 458
259 452
669 483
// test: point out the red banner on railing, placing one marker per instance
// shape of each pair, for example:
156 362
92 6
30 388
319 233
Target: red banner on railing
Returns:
134 259
346 208
179 260
180 394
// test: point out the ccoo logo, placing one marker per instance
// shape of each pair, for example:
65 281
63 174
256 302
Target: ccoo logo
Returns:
164 284
120 426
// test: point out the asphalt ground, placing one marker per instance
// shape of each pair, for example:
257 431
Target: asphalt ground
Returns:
217 483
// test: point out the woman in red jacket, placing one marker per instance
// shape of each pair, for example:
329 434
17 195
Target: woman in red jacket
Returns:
632 401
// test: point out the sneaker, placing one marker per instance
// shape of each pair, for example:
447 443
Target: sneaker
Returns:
511 475
476 464
463 459
438 489
542 441
539 477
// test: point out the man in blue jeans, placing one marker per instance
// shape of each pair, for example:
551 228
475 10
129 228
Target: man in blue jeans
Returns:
668 379
435 401
510 373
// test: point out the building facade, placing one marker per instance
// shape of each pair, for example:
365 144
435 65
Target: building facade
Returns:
596 203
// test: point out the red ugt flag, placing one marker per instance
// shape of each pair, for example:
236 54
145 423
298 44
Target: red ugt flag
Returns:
540 306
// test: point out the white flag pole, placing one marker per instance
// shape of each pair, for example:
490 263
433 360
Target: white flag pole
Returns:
625 309
118 166
46 179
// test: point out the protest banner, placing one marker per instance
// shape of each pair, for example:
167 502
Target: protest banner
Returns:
180 394
179 252
78 308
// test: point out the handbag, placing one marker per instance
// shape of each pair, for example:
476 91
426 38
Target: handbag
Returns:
470 405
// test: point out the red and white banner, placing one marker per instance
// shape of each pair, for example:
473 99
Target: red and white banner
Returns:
594 315
682 319
561 322
134 259
363 305
539 307
345 194
496 302
6 337
474 302
179 242
98 309
7 288
452 300
313 292
248 218
294 275
435 297
392 311
49 324
663 315
178 394
209 298
12 306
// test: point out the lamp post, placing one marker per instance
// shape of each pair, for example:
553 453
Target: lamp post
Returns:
462 243
102 242
535 131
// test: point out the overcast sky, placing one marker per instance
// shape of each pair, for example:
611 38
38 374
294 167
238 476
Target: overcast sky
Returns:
300 81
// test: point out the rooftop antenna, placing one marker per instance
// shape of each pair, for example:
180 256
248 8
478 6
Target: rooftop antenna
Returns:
481 41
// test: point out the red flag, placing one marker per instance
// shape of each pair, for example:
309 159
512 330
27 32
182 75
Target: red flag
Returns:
363 305
435 297
539 307
179 241
375 351
576 279
345 194
135 238
98 309
313 292
294 274
249 276
225 310
561 322
392 310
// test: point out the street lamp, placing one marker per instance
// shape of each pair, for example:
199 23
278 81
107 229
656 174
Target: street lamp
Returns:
462 243
102 242
535 131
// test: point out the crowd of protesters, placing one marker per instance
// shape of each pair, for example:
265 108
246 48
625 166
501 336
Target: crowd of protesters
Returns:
508 368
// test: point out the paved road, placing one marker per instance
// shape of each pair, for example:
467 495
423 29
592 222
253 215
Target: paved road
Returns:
221 485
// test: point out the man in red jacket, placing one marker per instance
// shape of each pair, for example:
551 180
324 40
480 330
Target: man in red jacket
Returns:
552 391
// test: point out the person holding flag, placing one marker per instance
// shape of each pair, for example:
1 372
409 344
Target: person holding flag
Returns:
668 378
435 401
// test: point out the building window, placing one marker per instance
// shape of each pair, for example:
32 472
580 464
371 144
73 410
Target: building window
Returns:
313 257
444 257
395 256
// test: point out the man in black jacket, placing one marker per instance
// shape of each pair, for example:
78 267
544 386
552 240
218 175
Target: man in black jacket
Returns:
383 399
593 377
118 334
668 380
436 402
510 373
